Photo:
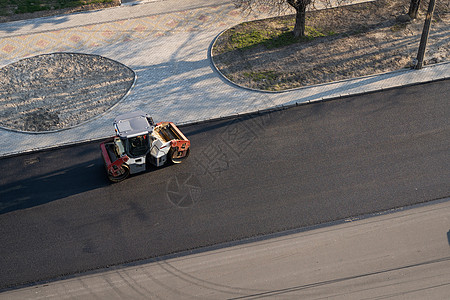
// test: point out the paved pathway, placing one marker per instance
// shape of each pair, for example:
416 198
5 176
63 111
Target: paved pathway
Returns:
166 43
64 34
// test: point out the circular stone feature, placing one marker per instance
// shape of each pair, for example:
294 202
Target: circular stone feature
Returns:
60 90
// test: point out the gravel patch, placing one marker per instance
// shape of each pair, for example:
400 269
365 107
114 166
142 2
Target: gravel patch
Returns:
60 90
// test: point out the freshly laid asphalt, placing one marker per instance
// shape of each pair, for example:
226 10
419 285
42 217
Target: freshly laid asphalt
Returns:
247 176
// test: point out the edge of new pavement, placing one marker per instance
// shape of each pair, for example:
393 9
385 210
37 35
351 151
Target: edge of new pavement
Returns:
340 90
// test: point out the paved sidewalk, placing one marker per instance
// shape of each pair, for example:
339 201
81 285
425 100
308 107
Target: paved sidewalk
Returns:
167 44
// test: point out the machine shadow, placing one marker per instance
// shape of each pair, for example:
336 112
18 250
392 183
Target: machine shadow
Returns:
45 187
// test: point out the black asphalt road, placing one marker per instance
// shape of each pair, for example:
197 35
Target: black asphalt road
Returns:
246 176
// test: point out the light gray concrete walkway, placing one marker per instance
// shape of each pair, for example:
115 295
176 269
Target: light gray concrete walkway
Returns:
402 255
166 43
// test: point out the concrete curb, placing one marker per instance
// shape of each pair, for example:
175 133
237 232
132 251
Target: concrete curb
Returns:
306 102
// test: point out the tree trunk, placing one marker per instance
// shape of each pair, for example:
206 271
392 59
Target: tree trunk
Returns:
299 28
414 8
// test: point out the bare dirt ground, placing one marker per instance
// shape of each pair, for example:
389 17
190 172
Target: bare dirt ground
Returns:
368 38
56 91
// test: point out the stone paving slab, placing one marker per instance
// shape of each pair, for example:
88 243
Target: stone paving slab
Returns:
176 80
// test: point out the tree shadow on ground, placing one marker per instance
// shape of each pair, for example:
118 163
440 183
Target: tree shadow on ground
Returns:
12 27
43 17
353 49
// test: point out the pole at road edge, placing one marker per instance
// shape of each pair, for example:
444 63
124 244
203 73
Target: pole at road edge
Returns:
425 33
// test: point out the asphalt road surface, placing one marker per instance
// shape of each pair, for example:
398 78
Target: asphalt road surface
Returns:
246 176
401 255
